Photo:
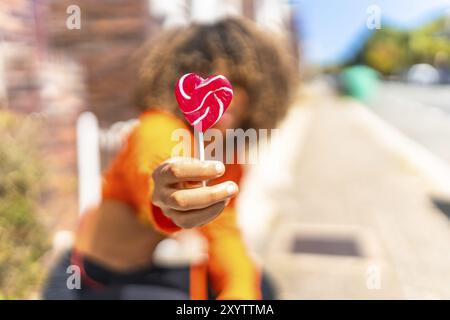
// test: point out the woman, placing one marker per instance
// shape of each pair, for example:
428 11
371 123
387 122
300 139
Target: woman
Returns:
147 195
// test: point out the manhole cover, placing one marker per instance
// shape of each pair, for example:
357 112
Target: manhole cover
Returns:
443 205
326 246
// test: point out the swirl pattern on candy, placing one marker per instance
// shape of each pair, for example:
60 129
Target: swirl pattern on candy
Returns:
203 101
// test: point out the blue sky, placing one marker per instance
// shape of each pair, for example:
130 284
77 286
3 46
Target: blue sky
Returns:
329 28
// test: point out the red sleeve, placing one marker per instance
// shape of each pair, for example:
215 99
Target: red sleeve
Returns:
162 222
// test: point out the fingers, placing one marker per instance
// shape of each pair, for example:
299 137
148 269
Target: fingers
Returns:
189 170
198 198
188 185
195 218
178 191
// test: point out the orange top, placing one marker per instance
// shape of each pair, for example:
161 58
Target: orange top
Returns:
232 273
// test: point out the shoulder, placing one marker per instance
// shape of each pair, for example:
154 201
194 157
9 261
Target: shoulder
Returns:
157 124
159 119
155 135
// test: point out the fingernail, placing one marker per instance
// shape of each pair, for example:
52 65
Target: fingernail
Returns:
220 167
231 188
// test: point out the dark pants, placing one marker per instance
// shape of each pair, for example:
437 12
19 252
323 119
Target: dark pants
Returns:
154 283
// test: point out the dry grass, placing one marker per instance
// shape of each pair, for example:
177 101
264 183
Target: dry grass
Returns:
23 239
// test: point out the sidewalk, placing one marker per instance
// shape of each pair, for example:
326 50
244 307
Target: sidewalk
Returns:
358 214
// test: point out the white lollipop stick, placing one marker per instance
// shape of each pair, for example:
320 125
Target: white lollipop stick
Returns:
201 148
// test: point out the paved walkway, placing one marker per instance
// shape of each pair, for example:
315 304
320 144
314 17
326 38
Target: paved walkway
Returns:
349 189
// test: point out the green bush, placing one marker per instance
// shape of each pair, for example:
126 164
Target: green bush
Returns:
23 239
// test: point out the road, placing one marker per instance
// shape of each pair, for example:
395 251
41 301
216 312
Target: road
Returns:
420 112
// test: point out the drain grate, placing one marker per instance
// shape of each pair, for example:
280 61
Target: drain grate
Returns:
443 205
326 246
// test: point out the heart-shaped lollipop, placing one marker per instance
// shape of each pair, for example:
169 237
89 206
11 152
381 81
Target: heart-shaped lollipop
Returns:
203 101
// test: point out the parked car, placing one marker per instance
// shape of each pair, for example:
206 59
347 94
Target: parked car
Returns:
423 73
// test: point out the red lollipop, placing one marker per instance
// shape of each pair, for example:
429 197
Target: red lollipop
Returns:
203 101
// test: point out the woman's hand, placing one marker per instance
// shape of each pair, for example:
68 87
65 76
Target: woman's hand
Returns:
178 191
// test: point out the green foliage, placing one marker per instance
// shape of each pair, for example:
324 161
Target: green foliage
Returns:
387 51
23 239
391 51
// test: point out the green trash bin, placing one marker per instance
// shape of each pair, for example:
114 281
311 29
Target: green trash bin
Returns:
360 82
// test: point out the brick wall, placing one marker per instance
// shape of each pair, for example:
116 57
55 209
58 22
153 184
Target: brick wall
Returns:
110 33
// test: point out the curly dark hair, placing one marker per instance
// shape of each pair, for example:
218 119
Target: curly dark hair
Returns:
251 58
